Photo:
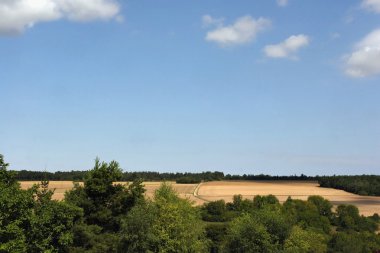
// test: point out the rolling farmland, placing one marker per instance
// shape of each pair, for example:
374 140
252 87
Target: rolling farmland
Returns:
184 190
216 190
282 189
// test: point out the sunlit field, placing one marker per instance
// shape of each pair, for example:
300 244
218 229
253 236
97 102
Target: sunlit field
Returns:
184 190
283 189
216 190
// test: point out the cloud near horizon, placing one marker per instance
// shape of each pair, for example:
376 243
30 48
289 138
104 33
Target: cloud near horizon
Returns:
372 5
19 15
364 61
288 48
244 30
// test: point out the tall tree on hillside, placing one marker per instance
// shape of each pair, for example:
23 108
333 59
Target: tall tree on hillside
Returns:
15 211
166 224
104 203
29 220
305 241
247 234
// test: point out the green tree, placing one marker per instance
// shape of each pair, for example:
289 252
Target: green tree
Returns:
15 211
105 204
269 201
323 205
306 215
7 178
102 200
305 241
137 231
246 234
239 204
216 233
29 220
275 223
92 239
216 211
168 223
354 242
348 218
51 222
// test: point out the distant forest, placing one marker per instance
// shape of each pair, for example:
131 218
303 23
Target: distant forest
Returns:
366 185
187 177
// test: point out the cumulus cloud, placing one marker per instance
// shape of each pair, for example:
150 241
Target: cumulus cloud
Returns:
373 5
244 30
87 10
207 21
18 15
364 61
282 2
287 48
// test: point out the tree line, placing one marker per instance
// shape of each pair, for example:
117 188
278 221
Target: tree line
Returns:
367 185
187 177
100 216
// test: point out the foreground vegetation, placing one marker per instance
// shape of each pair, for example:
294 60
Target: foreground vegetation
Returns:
103 217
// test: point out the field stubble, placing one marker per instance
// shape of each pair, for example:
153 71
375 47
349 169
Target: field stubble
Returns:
211 191
216 190
60 187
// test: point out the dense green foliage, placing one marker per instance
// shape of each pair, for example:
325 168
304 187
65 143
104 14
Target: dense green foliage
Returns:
188 180
30 221
264 225
362 185
102 216
104 205
25 175
165 224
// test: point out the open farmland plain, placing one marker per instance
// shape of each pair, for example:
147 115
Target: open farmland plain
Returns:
60 187
282 189
184 190
216 190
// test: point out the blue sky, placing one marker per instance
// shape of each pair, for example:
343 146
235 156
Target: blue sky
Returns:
253 86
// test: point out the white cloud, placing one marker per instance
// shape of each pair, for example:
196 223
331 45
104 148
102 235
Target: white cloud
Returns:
365 59
373 5
282 2
18 15
207 21
287 48
87 10
244 30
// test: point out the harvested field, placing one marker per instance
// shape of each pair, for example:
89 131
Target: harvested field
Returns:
211 191
184 190
60 187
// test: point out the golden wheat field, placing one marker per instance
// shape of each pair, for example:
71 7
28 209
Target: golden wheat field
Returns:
184 190
283 189
211 191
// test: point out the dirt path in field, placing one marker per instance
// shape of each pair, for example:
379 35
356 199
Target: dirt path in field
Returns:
196 195
216 190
